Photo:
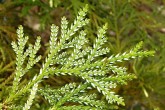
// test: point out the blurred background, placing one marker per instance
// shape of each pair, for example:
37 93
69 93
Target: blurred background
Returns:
129 22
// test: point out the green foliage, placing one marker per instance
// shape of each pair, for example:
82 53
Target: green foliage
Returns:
70 53
129 21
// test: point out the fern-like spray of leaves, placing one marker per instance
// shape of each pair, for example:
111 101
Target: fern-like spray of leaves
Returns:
71 55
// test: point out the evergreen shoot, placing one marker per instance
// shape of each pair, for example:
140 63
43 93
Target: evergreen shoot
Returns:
70 53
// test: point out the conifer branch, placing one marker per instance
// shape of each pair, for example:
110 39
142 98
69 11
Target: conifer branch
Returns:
69 55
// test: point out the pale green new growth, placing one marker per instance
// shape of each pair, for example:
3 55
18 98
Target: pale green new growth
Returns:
70 55
31 97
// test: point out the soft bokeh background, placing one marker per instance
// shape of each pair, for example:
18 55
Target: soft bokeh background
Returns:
129 22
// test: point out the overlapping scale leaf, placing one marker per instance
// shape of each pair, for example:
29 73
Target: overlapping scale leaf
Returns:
107 85
78 45
78 62
130 55
50 95
32 54
120 79
118 70
54 95
53 37
64 25
100 40
79 22
86 100
110 96
60 59
96 72
31 97
101 52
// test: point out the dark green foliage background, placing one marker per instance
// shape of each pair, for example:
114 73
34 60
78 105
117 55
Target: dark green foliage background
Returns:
129 21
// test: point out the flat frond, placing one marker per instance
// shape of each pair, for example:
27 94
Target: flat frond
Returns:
71 54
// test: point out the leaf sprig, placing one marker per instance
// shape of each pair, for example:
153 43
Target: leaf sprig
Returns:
69 55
